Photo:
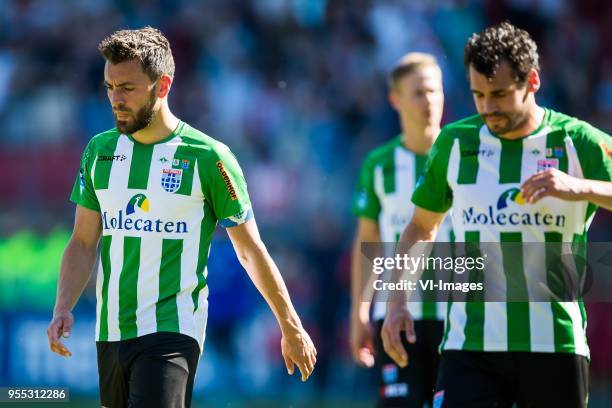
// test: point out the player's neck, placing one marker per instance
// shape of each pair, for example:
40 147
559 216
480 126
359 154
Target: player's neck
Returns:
534 120
418 138
162 125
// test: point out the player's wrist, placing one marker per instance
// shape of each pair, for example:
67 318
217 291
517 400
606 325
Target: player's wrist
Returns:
62 310
291 327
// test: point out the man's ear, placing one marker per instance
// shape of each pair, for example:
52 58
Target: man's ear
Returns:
165 82
533 81
394 99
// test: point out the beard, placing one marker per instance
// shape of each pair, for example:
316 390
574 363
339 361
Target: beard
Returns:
505 122
142 119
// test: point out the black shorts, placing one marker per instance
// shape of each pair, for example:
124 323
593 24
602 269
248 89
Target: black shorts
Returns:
499 379
155 370
412 386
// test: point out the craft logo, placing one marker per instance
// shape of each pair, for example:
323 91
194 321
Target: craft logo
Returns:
227 180
110 158
500 214
477 152
140 204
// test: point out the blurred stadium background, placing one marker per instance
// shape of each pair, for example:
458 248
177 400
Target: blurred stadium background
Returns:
297 89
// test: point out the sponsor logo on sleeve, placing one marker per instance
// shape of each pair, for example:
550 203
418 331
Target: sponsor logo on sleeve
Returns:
606 150
227 180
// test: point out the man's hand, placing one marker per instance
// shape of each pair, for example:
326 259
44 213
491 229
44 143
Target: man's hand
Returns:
362 340
398 319
553 183
60 326
298 349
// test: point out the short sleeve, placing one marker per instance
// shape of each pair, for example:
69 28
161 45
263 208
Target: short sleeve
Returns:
432 191
594 149
83 192
228 190
365 200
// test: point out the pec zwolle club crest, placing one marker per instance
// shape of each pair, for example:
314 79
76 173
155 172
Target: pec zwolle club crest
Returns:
171 179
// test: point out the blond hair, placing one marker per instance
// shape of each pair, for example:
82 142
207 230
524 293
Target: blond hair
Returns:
408 64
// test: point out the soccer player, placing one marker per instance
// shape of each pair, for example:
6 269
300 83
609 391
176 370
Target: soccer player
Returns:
151 192
382 205
558 167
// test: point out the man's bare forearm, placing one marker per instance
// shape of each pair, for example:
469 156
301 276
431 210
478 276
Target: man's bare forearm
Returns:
76 268
267 279
599 193
412 235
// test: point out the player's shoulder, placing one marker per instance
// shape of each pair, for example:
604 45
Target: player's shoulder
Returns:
469 126
382 152
107 137
578 130
200 144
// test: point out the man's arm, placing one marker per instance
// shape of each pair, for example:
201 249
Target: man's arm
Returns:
77 264
362 345
422 228
555 183
297 347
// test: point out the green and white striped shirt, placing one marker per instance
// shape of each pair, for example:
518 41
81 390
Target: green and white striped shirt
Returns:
479 175
159 204
387 179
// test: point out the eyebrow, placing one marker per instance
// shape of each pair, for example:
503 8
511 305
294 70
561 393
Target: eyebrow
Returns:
119 85
495 91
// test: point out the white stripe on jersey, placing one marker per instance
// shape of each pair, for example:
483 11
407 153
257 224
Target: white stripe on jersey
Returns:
456 320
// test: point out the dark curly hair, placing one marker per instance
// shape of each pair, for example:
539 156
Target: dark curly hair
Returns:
486 50
147 45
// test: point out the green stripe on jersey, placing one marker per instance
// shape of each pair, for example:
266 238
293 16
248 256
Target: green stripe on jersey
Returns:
206 230
103 167
510 161
388 172
519 336
562 321
555 141
128 292
182 154
468 162
169 285
475 307
140 166
105 244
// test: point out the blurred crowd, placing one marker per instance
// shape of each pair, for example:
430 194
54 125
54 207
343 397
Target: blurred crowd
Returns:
296 88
